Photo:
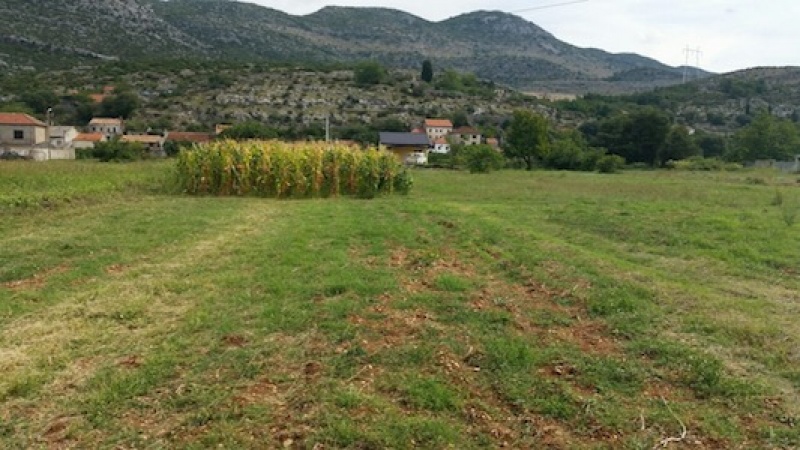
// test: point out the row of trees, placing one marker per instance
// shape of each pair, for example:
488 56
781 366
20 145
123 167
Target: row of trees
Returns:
73 109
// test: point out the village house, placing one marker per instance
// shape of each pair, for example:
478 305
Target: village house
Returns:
107 126
61 142
466 136
437 128
440 145
88 140
153 143
409 148
23 135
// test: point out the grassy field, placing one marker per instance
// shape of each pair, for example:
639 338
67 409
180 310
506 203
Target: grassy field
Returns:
526 310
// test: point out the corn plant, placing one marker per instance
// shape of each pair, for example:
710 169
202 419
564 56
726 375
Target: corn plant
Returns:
278 169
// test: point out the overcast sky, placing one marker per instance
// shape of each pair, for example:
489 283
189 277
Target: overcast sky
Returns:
732 34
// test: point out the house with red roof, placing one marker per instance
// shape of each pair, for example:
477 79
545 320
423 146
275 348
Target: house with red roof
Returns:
437 128
23 134
88 140
440 145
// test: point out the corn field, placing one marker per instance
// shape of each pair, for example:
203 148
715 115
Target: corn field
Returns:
280 169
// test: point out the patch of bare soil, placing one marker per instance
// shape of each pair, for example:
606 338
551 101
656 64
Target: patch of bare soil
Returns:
38 280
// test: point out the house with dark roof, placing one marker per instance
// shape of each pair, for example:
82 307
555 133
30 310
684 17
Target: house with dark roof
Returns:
466 136
410 148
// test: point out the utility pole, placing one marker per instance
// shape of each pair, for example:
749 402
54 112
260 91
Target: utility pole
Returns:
688 51
327 128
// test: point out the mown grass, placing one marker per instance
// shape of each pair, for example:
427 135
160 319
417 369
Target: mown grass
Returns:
530 310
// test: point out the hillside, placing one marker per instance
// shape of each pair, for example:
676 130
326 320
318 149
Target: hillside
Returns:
494 45
718 104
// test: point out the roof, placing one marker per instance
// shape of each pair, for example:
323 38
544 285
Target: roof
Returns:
105 121
438 123
89 137
466 130
143 138
395 138
20 119
189 136
440 141
97 98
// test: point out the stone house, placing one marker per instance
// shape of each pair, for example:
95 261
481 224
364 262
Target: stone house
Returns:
466 136
107 126
23 135
437 128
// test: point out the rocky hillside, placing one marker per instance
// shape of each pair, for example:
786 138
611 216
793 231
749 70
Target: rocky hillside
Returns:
494 45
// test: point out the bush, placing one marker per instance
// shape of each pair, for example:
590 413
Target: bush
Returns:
118 151
13 156
482 159
698 163
610 164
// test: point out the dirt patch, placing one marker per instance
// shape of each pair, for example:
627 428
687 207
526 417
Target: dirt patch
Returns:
115 269
38 280
234 340
130 362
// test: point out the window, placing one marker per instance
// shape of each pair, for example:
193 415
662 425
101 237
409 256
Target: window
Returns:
19 134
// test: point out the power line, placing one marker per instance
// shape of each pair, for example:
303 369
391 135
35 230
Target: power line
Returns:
551 5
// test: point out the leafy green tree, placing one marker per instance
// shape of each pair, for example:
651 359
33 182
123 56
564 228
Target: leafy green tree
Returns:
449 80
637 137
368 73
249 130
711 145
482 158
570 151
766 137
427 71
678 145
122 104
526 138
40 101
459 119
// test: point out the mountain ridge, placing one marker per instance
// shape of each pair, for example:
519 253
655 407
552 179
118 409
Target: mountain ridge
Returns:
493 44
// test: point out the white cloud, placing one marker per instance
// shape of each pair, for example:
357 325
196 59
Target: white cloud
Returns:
732 34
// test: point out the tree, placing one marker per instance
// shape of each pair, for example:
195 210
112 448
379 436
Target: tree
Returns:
637 137
767 137
40 101
122 104
249 130
459 119
527 138
678 145
427 71
369 73
482 158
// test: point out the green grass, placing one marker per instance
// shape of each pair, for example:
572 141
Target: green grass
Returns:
527 309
